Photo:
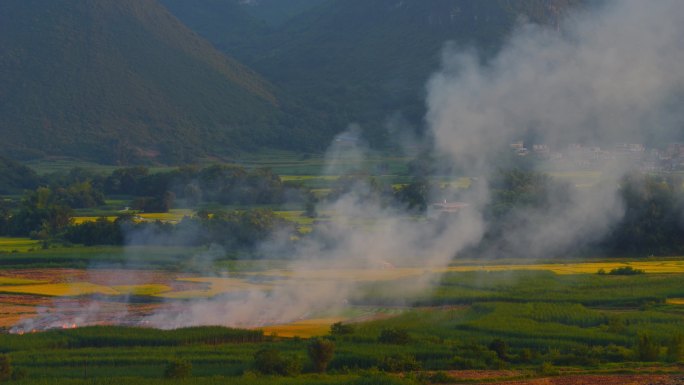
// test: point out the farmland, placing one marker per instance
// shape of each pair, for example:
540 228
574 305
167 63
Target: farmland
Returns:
561 315
192 284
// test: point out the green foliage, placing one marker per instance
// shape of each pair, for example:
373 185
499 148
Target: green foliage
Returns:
627 270
500 347
647 349
399 363
321 352
652 221
270 361
178 369
675 348
547 369
341 329
394 336
5 367
415 194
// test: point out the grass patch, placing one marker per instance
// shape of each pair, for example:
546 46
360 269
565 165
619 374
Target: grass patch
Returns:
9 245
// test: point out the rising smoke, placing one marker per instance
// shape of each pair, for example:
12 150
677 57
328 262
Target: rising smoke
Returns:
610 75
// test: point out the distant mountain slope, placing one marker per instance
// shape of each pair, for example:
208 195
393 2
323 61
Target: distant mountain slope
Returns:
277 12
120 81
228 22
15 177
364 60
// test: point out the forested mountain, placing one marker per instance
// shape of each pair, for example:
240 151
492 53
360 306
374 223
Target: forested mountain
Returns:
131 81
364 60
120 81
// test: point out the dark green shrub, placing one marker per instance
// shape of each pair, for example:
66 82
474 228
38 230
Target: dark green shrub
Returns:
647 349
5 367
399 363
394 336
269 361
321 353
500 347
340 329
675 349
19 374
627 270
178 369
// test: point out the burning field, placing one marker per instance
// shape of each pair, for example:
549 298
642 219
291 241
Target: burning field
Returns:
41 299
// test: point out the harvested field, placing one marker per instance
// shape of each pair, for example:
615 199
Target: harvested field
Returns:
60 289
212 287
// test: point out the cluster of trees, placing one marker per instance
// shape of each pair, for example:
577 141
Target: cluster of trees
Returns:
46 212
653 223
238 229
223 184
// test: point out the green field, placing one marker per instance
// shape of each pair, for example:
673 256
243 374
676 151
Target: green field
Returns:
562 317
14 245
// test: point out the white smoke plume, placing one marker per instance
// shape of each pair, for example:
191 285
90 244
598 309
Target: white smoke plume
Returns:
609 75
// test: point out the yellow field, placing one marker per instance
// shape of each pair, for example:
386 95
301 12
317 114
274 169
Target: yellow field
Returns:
149 290
583 267
215 286
299 178
675 301
19 244
173 216
60 289
80 220
9 281
304 328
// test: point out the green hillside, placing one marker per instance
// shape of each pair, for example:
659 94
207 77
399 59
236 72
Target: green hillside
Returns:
277 12
122 81
15 177
365 60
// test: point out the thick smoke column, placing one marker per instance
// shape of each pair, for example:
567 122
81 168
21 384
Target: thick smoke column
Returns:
609 76
326 267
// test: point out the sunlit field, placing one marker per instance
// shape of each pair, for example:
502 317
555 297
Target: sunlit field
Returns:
13 245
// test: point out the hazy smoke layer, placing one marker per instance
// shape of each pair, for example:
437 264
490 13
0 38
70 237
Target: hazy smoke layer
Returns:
610 75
